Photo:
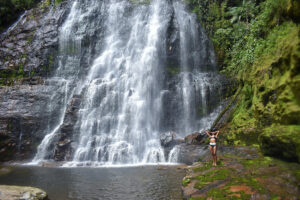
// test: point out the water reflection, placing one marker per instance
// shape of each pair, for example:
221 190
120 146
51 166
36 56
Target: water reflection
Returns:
145 182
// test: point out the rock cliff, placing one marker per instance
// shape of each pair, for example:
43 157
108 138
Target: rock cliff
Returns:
26 60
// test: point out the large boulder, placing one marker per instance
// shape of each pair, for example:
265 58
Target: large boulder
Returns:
169 139
166 139
9 192
190 149
281 141
189 154
195 138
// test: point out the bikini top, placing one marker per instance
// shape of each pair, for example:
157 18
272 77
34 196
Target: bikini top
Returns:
211 137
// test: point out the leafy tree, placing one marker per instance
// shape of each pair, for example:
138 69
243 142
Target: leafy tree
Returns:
244 12
11 9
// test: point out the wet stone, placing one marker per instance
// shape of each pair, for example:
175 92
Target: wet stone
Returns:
22 43
9 45
21 36
21 193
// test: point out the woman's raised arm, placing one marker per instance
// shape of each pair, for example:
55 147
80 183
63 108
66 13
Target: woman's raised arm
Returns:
207 133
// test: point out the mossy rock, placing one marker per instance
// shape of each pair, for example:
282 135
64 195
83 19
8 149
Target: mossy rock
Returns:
243 174
186 181
293 9
281 141
21 192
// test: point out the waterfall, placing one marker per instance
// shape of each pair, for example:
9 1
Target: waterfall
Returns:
173 155
141 68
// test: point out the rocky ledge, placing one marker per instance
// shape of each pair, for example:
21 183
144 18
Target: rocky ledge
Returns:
9 192
27 54
189 148
242 173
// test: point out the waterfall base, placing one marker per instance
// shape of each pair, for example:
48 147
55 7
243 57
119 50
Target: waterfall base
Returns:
144 182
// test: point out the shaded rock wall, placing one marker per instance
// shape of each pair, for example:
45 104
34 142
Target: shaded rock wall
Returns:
24 117
269 100
26 59
29 48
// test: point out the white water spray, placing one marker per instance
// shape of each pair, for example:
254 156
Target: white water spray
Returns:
142 68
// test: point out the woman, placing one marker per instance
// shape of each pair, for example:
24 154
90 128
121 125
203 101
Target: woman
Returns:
213 144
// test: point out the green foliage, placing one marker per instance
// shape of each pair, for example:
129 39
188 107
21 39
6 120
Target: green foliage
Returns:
29 39
45 4
238 28
173 70
57 2
211 176
51 61
205 166
8 77
32 73
257 42
186 181
197 198
242 13
11 9
256 163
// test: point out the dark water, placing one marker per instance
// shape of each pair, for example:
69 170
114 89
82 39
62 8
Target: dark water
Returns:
146 182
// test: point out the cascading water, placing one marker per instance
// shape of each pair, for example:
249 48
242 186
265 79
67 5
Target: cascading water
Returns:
142 68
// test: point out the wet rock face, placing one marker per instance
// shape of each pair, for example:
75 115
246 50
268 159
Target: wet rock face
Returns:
195 138
24 116
192 153
26 58
168 139
63 148
191 148
18 192
28 49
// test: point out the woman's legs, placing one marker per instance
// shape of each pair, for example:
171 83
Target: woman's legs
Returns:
214 152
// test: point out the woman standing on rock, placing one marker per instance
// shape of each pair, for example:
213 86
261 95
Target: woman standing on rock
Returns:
213 135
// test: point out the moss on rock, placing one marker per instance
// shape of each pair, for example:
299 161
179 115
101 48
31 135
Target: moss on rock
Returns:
257 42
186 181
244 174
281 141
269 100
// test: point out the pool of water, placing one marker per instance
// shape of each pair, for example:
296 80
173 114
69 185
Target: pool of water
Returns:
143 182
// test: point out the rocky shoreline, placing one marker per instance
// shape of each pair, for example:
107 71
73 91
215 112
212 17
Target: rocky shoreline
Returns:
13 192
242 173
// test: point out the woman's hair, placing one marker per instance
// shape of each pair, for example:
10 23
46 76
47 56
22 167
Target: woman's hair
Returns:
213 129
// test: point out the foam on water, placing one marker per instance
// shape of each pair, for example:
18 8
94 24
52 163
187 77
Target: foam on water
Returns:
141 69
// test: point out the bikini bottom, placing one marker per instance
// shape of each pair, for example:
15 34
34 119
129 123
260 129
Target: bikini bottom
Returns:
212 144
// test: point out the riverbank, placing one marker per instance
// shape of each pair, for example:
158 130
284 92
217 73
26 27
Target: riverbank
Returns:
242 173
